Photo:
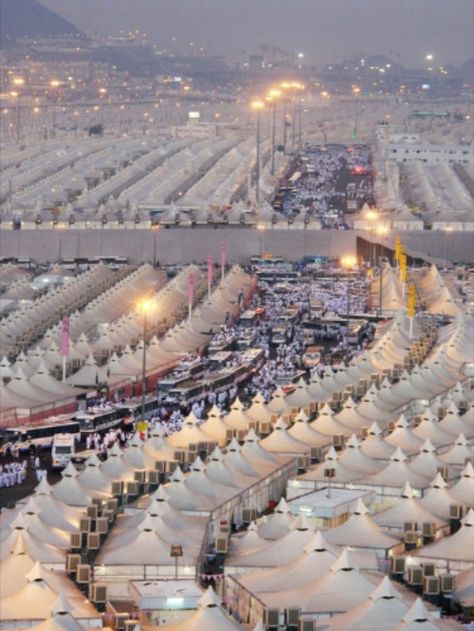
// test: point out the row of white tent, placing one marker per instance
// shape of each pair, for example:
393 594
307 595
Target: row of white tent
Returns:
32 385
27 318
439 294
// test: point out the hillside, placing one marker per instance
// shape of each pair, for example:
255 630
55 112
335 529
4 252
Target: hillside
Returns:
29 18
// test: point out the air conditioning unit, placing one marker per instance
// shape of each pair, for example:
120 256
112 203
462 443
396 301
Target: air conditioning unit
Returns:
410 526
133 488
415 576
307 625
248 515
429 569
93 511
117 487
72 561
98 594
93 541
339 440
431 585
443 471
224 527
153 478
76 540
302 462
410 538
428 530
171 466
455 511
83 574
448 583
120 620
222 545
102 525
139 476
272 618
398 565
109 515
316 453
292 616
85 524
112 505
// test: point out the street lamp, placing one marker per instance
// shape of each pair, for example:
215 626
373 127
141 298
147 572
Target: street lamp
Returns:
16 95
144 306
371 216
261 230
273 95
448 230
348 262
258 105
382 231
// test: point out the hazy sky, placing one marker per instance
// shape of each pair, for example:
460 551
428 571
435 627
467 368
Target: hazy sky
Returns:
325 30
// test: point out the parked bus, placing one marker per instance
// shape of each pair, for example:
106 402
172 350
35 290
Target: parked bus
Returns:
96 422
39 435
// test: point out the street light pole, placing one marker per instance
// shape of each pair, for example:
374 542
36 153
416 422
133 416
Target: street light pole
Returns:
144 365
257 106
145 306
273 136
257 184
261 230
348 263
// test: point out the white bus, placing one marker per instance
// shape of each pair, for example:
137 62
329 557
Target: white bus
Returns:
62 450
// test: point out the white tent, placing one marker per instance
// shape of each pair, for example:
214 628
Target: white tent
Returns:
209 615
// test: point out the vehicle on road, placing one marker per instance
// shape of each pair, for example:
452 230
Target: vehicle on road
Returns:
62 450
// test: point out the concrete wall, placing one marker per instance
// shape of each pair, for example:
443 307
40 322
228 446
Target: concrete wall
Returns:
185 244
173 245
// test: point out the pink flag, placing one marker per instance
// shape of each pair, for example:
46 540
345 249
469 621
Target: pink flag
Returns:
190 288
210 269
65 337
223 253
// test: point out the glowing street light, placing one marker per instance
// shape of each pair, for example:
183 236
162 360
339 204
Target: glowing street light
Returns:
349 261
